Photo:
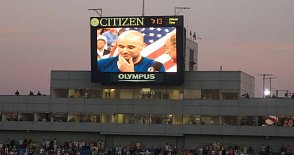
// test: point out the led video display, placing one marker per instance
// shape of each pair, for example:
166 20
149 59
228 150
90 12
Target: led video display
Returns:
146 49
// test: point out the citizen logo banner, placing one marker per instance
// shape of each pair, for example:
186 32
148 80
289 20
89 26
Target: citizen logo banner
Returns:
122 21
137 77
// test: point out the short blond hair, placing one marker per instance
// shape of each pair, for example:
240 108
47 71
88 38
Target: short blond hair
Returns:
173 39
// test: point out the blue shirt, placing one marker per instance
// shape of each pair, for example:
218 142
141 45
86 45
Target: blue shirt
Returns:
144 65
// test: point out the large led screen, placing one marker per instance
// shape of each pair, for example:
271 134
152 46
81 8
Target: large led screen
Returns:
146 49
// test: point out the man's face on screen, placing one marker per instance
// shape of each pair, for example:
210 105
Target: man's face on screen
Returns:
100 44
130 44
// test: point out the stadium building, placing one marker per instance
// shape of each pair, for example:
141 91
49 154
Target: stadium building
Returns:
208 107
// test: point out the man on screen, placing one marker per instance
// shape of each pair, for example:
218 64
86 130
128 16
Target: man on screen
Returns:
130 44
101 51
171 47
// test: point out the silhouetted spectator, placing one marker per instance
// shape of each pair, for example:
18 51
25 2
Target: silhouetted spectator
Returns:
292 95
17 92
39 94
31 93
246 95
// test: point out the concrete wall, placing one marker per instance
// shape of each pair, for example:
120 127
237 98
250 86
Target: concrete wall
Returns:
242 107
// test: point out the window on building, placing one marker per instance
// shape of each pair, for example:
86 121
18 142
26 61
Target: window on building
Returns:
43 117
106 118
160 94
137 93
74 117
26 117
210 120
168 119
76 93
94 93
88 118
229 95
157 119
114 118
129 118
177 119
174 119
59 117
98 118
146 93
10 116
60 93
268 121
192 94
123 118
141 118
229 120
175 93
111 94
126 94
248 121
210 94
285 121
191 119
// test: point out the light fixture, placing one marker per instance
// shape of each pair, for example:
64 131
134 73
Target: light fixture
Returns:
266 92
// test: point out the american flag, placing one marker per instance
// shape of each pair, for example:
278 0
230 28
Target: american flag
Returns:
154 39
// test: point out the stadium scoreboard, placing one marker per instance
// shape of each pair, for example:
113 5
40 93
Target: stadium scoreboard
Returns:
156 30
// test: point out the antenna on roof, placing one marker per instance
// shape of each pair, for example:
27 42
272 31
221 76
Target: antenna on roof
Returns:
143 6
180 9
98 11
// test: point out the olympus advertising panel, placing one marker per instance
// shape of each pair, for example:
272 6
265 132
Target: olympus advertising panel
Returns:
143 49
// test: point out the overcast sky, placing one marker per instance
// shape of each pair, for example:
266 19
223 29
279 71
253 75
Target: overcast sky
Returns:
37 36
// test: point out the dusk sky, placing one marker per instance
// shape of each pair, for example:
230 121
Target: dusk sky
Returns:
37 36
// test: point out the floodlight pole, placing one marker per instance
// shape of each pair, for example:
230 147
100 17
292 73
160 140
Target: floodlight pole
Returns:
180 9
263 80
270 78
98 11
